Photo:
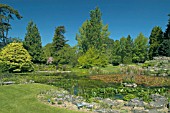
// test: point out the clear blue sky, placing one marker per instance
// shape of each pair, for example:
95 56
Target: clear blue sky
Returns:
123 16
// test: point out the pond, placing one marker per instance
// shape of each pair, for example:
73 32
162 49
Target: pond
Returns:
88 88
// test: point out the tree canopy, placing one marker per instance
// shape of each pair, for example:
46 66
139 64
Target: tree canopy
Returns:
92 34
140 49
155 40
164 49
33 44
7 13
16 57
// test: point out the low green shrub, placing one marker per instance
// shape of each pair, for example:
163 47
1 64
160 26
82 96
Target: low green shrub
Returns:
4 67
129 97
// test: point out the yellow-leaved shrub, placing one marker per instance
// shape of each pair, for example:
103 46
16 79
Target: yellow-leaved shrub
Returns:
16 57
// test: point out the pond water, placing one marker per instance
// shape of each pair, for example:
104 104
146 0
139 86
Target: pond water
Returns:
88 88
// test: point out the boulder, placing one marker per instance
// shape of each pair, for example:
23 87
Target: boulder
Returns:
135 103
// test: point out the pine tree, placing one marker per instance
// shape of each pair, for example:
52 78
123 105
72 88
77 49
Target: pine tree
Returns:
140 49
92 34
95 28
116 55
59 39
155 40
7 13
122 48
164 49
32 43
129 47
83 43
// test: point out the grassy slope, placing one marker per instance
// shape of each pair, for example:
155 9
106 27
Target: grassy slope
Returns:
23 99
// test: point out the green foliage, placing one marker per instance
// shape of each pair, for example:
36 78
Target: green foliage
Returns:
116 57
66 55
92 58
94 28
7 13
16 58
92 34
32 43
44 67
149 63
129 97
122 50
155 40
3 67
140 49
93 88
59 39
109 49
48 50
129 48
164 49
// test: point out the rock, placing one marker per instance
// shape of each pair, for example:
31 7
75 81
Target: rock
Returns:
59 99
31 81
100 111
130 84
106 111
90 106
109 102
159 102
154 111
122 65
79 105
60 95
140 111
156 105
135 103
112 111
8 82
69 98
127 108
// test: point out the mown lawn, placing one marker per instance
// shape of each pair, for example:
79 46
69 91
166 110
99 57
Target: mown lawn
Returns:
23 99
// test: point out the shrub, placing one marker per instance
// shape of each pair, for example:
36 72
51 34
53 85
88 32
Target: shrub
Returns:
92 58
15 58
129 97
3 67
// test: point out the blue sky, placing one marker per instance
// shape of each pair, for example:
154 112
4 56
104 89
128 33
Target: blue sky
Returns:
123 16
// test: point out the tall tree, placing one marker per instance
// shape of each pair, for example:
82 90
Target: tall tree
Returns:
155 40
129 47
59 39
122 48
164 49
92 34
140 49
7 13
83 43
33 44
116 56
95 28
109 49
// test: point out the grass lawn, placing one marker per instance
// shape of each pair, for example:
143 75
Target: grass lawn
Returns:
23 99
